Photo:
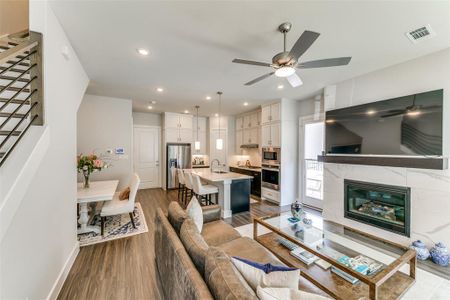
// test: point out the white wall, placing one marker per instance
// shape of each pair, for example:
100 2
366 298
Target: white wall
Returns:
147 119
40 240
430 197
106 123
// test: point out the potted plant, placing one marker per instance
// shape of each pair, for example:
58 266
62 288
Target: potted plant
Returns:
87 164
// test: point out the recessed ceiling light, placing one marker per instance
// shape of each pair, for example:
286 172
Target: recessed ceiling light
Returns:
150 107
160 89
245 103
208 97
186 111
216 115
142 51
280 87
153 102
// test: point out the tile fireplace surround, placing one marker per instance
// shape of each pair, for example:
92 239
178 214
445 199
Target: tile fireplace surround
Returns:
430 199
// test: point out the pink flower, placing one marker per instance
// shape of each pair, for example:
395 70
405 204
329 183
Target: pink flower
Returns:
98 163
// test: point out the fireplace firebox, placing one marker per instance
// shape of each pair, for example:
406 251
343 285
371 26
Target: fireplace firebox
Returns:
384 206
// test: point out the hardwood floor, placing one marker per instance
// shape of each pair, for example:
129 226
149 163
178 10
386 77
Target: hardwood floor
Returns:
125 268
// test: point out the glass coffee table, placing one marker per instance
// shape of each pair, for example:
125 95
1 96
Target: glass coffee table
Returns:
345 263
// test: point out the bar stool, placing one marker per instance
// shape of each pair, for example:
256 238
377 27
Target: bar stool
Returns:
181 186
205 190
188 186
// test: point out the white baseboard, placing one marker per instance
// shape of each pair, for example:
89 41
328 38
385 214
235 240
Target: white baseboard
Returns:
64 272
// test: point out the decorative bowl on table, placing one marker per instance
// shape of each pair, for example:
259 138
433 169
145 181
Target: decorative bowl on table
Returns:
439 254
422 252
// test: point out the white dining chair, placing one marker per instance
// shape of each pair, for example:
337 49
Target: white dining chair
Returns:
204 190
189 185
118 207
181 186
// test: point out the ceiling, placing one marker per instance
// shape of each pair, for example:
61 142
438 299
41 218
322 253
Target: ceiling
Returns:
192 44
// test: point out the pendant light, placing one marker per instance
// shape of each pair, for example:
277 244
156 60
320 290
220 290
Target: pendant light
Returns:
197 141
219 141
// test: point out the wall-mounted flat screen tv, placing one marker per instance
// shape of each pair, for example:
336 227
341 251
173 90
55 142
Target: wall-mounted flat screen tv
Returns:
408 125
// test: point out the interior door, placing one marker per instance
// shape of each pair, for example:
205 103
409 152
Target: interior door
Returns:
147 156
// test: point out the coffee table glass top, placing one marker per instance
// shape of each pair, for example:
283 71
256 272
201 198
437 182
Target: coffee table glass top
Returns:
364 258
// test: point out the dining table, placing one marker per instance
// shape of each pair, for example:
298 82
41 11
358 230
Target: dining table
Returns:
98 191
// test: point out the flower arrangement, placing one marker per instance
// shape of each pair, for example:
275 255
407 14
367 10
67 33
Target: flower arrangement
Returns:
87 164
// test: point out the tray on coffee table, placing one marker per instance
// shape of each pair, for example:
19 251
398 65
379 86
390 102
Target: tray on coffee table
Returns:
321 240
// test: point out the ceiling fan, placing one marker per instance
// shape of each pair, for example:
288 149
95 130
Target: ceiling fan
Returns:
411 110
285 63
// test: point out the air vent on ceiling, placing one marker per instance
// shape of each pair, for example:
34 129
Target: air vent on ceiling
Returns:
420 34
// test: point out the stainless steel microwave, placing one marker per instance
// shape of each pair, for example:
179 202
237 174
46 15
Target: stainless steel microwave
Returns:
271 155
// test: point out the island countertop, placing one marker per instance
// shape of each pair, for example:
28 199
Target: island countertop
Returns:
206 174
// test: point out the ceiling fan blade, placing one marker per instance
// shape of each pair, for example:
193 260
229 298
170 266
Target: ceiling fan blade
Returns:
322 63
294 80
251 62
303 43
259 78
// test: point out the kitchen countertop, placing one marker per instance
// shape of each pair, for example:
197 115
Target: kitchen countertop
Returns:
217 177
258 169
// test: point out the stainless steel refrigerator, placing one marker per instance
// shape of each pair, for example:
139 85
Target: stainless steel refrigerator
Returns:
178 157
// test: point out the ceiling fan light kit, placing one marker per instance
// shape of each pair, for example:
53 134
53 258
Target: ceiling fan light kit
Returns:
284 64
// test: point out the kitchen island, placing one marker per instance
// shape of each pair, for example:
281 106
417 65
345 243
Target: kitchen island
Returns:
234 190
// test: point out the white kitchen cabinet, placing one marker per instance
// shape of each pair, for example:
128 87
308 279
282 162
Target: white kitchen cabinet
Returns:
171 120
275 134
265 135
265 114
171 135
246 138
271 135
201 126
185 121
254 135
247 122
185 135
214 122
239 140
254 120
271 113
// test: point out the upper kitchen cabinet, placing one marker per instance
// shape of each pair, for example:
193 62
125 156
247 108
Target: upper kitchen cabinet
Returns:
239 123
173 120
214 122
201 126
177 128
250 120
271 113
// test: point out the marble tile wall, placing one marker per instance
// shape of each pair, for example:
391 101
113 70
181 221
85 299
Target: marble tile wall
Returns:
430 199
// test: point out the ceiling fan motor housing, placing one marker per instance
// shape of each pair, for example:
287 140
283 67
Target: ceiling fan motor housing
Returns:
283 59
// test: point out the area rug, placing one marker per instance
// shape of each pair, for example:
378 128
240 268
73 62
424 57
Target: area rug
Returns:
116 227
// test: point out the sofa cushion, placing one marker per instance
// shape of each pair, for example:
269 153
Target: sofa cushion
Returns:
223 279
194 244
247 248
218 232
177 215
267 275
195 212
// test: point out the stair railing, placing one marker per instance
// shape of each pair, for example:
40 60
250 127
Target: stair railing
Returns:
21 88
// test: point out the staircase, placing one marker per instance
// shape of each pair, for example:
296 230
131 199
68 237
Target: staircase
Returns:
21 95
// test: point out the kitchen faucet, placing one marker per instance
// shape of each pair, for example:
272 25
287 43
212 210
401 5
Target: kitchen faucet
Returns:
212 163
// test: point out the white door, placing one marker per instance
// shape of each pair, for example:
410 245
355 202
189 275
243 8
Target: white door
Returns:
312 136
275 134
147 157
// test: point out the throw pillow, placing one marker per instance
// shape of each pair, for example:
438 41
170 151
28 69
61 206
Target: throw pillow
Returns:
124 194
270 293
267 275
195 212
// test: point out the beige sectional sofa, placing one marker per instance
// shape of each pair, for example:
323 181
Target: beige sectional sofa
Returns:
194 265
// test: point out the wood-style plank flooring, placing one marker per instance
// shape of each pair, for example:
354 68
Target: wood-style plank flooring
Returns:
125 268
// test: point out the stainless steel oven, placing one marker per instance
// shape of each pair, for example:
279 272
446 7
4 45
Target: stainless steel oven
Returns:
271 156
270 176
